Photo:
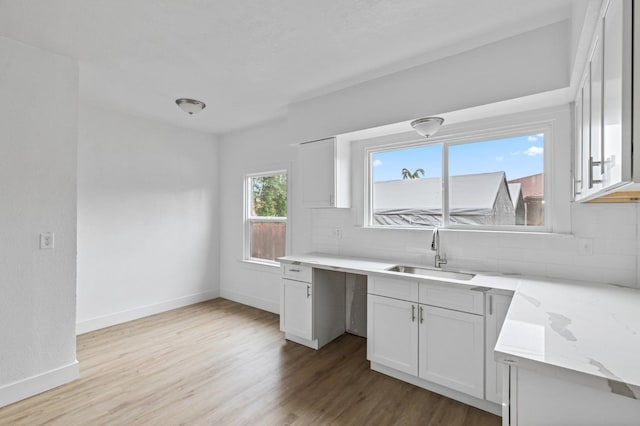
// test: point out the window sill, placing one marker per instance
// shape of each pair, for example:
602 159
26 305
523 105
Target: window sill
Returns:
512 231
262 265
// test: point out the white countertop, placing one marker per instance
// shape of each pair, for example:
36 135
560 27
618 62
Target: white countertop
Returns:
564 326
560 326
346 263
379 267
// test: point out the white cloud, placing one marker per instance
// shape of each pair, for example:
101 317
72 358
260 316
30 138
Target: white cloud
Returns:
499 158
377 163
532 139
534 150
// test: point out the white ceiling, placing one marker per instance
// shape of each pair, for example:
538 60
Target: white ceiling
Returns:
248 59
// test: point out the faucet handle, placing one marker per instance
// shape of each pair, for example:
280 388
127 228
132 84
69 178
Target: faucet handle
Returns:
434 238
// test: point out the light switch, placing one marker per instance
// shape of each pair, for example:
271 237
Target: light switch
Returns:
47 240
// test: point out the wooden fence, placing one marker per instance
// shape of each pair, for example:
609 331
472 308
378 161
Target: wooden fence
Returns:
268 240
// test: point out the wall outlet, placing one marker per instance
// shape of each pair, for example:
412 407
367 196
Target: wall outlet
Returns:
47 240
337 232
585 246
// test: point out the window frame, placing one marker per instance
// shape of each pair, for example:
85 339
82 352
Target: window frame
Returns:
461 135
249 218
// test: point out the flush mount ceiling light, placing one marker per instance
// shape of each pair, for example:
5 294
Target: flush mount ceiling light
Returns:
190 106
427 126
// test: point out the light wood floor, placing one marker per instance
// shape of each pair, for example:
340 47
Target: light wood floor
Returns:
220 363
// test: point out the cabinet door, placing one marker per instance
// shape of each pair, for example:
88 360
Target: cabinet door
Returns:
578 152
452 349
392 333
297 309
318 168
548 400
497 307
585 142
596 163
616 89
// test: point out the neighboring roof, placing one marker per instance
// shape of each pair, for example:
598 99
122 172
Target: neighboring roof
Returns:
532 186
470 194
515 190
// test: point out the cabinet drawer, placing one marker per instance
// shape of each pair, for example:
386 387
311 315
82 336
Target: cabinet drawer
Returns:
391 287
464 300
297 272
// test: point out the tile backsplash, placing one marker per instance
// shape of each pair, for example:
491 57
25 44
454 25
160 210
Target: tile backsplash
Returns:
602 247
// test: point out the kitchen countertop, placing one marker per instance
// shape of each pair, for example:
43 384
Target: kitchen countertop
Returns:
586 332
560 327
360 265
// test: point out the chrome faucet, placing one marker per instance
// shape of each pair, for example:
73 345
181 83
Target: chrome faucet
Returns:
435 246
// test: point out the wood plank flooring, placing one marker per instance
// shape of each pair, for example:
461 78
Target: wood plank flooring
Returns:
222 363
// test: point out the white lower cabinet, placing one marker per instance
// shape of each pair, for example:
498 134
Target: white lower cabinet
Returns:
549 398
451 349
297 302
496 312
392 333
424 338
312 305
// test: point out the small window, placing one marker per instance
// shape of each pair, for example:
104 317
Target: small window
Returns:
266 216
468 182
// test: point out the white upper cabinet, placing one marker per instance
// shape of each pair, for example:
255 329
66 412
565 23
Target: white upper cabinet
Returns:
603 162
325 168
596 165
615 97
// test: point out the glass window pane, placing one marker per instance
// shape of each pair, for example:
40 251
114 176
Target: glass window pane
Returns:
407 186
269 196
497 182
268 239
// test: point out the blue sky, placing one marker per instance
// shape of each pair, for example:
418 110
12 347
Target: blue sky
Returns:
517 157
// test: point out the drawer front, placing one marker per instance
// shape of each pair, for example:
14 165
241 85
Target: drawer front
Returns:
391 287
463 300
297 272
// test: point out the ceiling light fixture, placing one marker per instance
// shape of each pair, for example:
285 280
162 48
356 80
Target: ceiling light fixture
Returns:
427 126
190 106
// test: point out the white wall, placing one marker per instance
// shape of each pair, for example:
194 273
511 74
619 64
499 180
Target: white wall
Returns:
38 122
533 62
147 217
498 72
259 149
610 229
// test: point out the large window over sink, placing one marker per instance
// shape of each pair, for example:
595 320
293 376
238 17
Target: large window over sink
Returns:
486 180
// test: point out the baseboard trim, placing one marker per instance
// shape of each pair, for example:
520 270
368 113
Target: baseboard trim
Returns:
142 311
264 304
16 391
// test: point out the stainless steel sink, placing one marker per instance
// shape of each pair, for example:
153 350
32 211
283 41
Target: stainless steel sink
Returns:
432 272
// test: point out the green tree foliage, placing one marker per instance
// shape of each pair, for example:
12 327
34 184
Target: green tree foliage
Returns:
406 174
270 195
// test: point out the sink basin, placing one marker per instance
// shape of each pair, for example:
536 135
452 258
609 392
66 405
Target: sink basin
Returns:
432 272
